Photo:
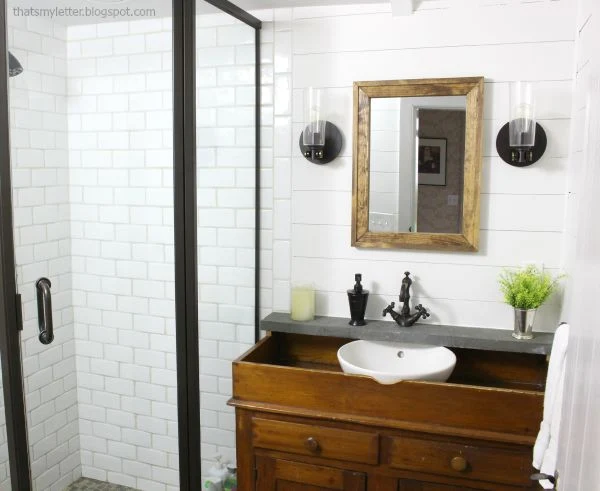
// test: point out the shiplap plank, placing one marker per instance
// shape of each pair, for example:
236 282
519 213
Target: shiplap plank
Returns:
444 281
497 248
540 213
547 177
434 28
535 212
503 62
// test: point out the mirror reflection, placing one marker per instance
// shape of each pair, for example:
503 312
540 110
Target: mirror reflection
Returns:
417 156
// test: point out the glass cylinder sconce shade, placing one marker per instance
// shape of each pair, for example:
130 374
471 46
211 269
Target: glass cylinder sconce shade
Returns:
521 142
321 141
522 115
314 132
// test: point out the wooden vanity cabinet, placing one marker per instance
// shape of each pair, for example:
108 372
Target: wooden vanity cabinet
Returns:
303 425
424 486
274 474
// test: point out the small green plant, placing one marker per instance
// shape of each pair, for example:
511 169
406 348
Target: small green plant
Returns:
527 288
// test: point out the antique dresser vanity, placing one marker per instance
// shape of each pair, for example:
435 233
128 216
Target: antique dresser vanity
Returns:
302 424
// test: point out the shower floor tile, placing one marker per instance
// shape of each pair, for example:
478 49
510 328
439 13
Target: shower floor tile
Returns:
86 484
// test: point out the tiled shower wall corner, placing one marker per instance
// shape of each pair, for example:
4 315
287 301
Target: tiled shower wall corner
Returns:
39 147
121 165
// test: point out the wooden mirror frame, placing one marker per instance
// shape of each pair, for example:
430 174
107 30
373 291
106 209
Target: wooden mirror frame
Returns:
468 240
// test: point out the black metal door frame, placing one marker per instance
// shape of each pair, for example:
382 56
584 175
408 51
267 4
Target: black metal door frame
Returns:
186 222
186 272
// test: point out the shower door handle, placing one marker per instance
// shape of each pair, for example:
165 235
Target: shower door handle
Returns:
44 301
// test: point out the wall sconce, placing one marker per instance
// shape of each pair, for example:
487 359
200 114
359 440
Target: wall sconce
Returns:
522 141
321 141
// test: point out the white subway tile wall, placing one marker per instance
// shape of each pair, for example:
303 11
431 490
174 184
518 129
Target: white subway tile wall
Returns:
121 197
267 167
522 217
40 163
387 150
226 232
283 150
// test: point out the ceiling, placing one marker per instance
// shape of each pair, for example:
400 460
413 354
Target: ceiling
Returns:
162 7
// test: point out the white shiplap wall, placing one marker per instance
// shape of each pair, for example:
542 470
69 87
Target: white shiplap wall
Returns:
522 217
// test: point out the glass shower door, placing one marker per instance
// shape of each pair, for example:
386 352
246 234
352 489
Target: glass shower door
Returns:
226 209
91 122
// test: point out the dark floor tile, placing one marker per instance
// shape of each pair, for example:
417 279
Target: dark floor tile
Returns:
86 484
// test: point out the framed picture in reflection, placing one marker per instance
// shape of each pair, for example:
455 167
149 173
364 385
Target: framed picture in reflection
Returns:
432 161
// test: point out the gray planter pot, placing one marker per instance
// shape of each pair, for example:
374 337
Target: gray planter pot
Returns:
524 319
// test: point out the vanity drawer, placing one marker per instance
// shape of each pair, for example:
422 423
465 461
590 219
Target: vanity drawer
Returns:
317 441
492 464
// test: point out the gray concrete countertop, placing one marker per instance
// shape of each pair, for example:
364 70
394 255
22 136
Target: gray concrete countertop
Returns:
449 336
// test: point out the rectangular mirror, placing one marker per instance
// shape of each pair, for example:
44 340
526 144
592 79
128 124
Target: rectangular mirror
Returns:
417 163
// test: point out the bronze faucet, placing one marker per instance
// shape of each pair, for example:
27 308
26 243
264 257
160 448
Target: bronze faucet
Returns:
405 318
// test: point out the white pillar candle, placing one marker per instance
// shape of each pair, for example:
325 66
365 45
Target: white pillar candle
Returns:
303 303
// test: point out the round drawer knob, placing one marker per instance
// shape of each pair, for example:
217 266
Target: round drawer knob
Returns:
312 444
459 464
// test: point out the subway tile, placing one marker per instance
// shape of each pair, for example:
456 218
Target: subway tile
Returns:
96 47
125 45
114 65
215 56
159 42
113 102
111 29
129 83
146 25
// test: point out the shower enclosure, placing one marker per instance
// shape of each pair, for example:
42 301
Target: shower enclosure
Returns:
129 174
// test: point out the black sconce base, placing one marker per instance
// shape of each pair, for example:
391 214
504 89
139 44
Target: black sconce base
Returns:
332 148
521 157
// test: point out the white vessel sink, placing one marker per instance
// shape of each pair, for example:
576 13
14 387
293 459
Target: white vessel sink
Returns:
389 363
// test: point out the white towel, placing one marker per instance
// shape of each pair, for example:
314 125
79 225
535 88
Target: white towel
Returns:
546 445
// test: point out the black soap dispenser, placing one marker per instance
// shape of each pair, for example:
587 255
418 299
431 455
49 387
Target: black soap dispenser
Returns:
357 298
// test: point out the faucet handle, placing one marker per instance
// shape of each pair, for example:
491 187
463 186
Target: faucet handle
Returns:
423 311
389 308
